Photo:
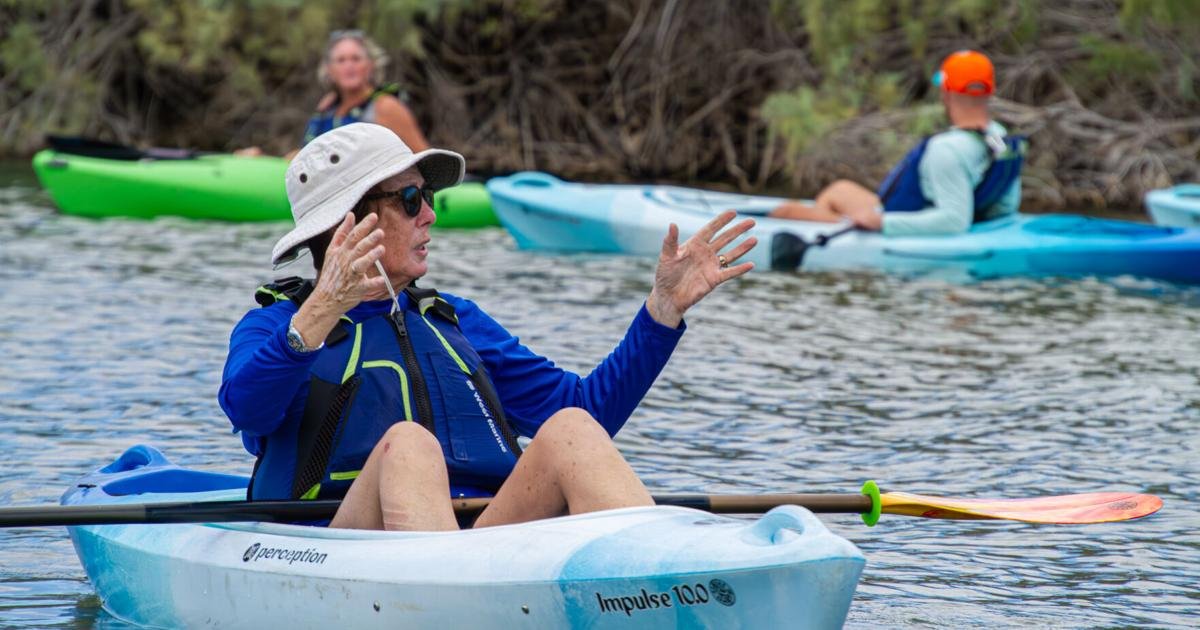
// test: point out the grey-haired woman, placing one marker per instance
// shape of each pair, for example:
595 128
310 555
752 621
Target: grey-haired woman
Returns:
362 385
353 70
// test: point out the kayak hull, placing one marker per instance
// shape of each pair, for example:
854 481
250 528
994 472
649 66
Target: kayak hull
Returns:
220 187
544 213
634 567
224 187
1178 206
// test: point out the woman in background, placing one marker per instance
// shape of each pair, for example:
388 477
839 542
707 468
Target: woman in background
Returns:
352 68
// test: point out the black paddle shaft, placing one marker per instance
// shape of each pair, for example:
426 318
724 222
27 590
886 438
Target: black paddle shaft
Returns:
300 511
200 512
88 147
733 503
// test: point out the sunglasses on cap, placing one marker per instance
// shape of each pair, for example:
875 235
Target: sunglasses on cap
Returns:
410 197
343 34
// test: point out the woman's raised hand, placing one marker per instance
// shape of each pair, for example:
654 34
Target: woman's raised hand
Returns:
686 273
343 281
345 278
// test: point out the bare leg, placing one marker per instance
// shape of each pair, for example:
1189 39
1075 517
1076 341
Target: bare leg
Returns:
852 201
403 485
840 200
803 212
571 466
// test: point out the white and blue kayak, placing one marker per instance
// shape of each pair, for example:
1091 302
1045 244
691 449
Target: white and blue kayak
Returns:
654 567
545 213
1178 206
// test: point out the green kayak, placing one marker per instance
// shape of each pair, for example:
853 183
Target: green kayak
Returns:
110 180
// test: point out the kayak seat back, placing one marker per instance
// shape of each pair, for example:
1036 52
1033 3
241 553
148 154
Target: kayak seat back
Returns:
135 457
534 179
143 469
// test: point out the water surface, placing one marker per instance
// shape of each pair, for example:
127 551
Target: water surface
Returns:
113 333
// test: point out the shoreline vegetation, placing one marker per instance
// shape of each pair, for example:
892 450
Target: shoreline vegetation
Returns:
747 95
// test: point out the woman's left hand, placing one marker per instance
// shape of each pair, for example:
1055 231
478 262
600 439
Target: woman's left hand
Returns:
686 273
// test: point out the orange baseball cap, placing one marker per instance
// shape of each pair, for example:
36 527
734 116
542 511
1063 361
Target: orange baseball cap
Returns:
967 72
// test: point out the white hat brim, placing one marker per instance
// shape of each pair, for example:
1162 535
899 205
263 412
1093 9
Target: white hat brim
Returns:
440 168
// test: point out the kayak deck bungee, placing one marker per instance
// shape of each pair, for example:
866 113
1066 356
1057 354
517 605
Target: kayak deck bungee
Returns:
1177 206
213 186
545 213
634 567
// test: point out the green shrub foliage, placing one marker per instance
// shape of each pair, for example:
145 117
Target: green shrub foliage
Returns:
734 93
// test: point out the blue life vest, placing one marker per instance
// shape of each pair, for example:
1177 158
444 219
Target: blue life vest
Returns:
327 119
901 189
414 365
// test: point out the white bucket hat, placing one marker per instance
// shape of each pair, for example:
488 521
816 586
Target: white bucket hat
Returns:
332 173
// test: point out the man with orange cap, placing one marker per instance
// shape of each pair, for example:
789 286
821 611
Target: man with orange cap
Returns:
964 175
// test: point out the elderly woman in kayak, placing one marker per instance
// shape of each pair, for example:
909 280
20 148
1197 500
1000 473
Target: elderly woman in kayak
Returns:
353 70
363 385
967 174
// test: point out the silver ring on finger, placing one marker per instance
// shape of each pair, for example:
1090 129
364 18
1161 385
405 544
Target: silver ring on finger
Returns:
721 259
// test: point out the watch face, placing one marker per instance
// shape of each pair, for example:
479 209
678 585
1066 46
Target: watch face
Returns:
296 341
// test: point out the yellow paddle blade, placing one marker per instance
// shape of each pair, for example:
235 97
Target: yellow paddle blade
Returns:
1092 507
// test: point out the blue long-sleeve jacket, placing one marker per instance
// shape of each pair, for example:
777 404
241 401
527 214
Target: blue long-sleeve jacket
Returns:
265 382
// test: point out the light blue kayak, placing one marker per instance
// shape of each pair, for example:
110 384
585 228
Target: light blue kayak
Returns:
1178 206
545 213
654 567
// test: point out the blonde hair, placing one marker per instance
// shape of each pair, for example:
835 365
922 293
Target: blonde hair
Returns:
379 58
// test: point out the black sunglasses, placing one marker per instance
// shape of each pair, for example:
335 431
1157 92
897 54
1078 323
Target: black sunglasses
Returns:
411 196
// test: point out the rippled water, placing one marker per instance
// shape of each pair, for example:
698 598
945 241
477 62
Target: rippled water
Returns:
113 333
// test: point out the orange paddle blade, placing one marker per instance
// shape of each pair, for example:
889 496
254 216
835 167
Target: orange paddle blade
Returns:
1092 507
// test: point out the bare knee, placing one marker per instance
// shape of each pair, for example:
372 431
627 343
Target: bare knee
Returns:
408 440
843 184
837 190
571 424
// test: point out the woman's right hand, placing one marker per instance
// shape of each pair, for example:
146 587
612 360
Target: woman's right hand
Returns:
345 278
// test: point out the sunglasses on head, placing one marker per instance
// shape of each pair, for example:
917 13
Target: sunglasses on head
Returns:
343 34
410 197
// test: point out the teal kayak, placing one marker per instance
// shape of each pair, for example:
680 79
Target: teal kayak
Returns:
118 181
545 213
1178 206
645 567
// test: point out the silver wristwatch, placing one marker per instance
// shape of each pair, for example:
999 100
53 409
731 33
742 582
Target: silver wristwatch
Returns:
296 341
